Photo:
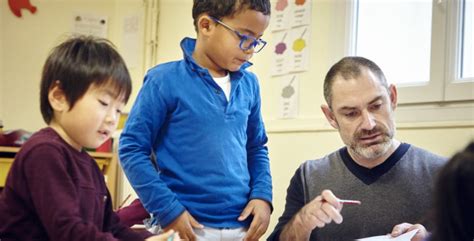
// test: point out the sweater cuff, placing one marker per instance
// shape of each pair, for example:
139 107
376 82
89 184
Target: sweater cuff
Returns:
174 210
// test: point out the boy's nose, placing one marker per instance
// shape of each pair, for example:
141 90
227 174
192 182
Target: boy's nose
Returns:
112 117
250 50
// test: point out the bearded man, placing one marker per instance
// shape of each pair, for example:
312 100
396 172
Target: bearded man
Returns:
392 179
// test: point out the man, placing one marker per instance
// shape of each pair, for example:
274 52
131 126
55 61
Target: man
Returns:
393 180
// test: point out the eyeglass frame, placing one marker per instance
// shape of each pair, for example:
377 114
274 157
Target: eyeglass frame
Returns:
243 37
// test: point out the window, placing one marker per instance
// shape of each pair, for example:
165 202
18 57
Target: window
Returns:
459 83
397 36
467 66
423 46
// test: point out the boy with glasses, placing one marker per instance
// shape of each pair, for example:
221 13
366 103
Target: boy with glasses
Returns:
201 117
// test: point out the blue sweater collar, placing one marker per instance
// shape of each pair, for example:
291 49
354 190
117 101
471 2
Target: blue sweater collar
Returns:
188 45
367 175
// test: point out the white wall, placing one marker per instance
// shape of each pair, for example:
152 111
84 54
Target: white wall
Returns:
26 42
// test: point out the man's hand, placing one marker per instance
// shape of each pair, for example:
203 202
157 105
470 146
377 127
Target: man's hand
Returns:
322 210
184 225
261 218
407 227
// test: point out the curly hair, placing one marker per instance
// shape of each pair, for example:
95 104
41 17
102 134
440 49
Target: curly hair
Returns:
223 8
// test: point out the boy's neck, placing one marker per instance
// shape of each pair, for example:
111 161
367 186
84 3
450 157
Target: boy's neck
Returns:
62 133
206 62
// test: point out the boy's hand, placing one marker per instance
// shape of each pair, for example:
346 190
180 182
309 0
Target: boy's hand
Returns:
164 236
261 218
184 225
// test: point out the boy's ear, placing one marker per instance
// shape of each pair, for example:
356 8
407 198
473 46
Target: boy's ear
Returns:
57 99
205 24
330 116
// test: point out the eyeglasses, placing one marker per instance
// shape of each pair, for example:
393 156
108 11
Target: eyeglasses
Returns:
246 41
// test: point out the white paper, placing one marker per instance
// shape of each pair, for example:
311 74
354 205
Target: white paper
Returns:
388 237
301 13
280 15
289 97
89 24
131 40
281 52
299 49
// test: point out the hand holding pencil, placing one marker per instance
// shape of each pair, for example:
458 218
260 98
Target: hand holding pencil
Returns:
322 210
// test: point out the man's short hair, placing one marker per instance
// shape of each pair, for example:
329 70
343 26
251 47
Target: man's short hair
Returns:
349 68
78 63
224 8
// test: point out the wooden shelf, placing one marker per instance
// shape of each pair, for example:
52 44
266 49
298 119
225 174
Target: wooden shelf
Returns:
9 149
106 161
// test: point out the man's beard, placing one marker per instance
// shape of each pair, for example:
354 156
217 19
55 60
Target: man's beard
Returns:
374 149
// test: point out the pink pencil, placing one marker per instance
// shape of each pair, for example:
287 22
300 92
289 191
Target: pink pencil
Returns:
349 201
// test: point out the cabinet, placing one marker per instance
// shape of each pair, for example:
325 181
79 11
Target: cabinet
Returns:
107 163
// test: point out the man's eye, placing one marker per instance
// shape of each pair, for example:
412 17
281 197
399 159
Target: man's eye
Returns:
376 106
350 114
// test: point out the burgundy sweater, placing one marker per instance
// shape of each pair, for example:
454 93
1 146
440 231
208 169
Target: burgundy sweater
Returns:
54 192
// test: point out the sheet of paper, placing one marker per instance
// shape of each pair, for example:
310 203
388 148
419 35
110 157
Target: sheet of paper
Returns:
131 40
90 24
403 237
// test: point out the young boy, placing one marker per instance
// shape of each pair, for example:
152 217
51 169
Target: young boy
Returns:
55 190
201 117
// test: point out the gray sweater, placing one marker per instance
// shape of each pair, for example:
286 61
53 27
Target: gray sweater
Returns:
396 191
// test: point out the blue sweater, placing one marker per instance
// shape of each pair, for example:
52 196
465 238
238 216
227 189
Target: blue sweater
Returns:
211 153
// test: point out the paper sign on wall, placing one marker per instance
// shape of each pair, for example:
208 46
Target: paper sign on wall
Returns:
88 24
299 49
280 15
280 61
301 13
289 96
131 40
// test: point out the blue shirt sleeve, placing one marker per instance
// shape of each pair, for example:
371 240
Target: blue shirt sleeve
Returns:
257 153
136 144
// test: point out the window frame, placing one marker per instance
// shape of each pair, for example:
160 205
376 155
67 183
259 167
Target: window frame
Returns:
456 88
445 84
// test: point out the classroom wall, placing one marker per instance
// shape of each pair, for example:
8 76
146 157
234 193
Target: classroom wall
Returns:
26 42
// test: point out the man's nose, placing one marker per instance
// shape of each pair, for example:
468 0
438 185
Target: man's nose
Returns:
368 121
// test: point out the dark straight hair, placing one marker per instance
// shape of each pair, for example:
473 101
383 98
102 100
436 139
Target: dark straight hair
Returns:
77 64
350 67
454 199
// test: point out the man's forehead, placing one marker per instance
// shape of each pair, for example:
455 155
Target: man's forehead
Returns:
356 91
353 83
